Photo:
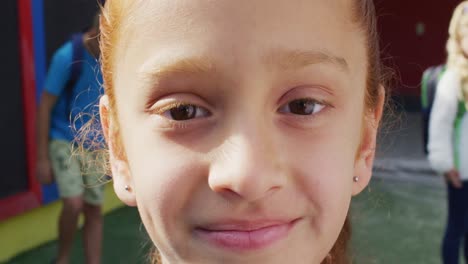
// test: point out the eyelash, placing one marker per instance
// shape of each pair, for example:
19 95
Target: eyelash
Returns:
201 112
286 108
165 111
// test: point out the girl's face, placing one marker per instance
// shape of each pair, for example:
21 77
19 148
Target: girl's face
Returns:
243 126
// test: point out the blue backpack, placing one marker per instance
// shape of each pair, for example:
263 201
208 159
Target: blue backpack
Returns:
75 67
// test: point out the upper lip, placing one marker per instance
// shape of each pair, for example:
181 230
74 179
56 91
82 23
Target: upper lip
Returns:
244 225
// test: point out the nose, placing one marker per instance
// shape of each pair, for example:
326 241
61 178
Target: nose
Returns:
247 166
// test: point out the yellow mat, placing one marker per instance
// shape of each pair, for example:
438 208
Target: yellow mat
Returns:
38 226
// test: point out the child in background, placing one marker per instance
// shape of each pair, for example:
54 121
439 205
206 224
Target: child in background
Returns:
448 135
242 129
71 91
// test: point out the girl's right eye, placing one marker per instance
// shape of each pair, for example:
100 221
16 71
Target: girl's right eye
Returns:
304 106
183 112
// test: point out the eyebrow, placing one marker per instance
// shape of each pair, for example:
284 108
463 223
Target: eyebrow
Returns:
193 66
296 59
277 59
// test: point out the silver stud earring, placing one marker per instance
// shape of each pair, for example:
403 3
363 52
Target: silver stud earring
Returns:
355 178
127 188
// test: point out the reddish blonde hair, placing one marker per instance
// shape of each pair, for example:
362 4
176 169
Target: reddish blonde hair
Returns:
114 13
456 58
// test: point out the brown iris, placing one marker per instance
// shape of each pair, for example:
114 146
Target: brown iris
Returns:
183 112
302 106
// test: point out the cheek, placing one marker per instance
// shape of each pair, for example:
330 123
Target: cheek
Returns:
165 176
164 181
324 169
324 180
326 172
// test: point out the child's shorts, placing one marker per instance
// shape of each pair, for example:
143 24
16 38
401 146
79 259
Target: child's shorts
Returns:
76 175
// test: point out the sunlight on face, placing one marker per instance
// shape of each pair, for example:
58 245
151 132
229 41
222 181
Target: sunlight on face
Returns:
241 121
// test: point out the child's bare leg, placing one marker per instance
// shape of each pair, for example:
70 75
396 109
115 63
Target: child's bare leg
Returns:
68 222
92 233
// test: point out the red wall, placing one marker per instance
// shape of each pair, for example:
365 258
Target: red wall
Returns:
410 53
29 198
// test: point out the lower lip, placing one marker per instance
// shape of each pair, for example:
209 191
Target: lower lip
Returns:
246 240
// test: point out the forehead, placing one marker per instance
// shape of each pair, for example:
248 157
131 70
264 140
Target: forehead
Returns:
243 10
243 16
238 31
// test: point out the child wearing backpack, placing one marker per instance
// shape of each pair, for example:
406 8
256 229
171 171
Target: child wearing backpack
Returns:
448 135
430 80
70 97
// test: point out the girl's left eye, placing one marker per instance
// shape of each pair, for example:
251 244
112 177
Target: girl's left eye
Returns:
183 112
304 106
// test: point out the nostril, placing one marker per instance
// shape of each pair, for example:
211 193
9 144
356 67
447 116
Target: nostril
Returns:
229 193
273 189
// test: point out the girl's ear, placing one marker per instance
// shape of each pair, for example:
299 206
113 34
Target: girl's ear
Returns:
365 157
121 176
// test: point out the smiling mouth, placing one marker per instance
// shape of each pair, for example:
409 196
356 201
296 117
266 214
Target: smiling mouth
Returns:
245 236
